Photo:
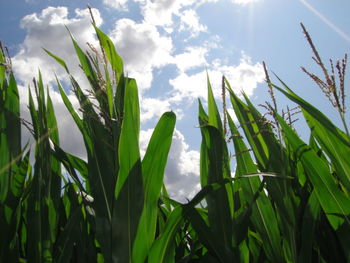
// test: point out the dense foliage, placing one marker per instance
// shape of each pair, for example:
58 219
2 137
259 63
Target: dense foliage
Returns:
287 200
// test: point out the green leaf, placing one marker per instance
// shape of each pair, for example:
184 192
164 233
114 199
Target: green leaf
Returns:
310 221
70 107
162 247
153 166
332 200
10 133
272 158
263 215
85 63
218 202
70 233
331 139
58 59
211 241
129 153
315 113
129 193
214 115
78 121
251 129
203 120
110 52
215 167
12 117
2 70
109 91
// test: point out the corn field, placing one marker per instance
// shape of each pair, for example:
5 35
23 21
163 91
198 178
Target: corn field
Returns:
286 200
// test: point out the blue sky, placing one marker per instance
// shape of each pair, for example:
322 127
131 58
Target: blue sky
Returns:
168 46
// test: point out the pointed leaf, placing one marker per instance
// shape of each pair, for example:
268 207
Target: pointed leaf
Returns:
153 166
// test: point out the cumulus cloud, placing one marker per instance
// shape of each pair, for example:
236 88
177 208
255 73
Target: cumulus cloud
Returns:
142 49
117 4
188 87
193 57
182 169
190 21
243 77
161 12
155 107
47 30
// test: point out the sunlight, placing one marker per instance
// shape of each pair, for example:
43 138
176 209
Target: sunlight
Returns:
326 21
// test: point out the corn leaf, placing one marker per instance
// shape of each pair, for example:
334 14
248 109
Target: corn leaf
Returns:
203 120
332 200
207 237
315 113
161 250
129 191
2 70
85 63
153 165
111 53
213 113
58 59
10 133
218 202
263 215
332 140
310 220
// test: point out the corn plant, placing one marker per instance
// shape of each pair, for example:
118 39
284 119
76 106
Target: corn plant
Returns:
287 200
298 212
125 188
14 163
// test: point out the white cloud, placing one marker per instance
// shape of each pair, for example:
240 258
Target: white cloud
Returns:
145 136
142 49
117 4
47 30
161 12
243 77
232 114
193 57
182 169
190 21
153 107
189 87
